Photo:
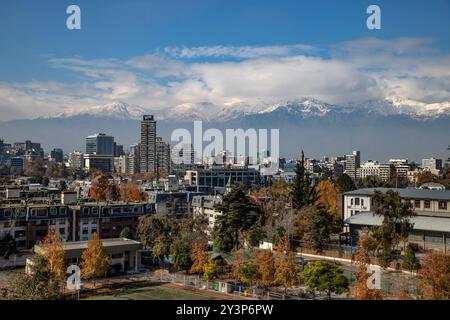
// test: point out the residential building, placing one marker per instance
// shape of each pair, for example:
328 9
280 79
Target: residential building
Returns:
204 206
148 156
431 229
162 157
352 163
76 160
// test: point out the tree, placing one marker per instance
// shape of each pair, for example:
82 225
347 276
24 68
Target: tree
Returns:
239 214
38 284
35 168
328 196
302 194
199 256
211 270
395 226
155 231
287 272
126 233
130 192
7 246
325 277
314 226
425 177
54 253
113 192
265 261
180 250
99 188
361 291
410 261
248 273
95 261
434 277
345 183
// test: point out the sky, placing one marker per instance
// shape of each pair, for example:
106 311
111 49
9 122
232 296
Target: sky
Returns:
158 54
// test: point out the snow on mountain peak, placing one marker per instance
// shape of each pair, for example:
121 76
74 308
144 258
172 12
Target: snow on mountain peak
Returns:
115 109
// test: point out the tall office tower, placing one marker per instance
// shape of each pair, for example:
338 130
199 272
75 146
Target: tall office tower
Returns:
162 157
353 162
57 155
134 159
100 144
148 145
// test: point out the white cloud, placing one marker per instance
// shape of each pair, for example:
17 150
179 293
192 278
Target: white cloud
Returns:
354 71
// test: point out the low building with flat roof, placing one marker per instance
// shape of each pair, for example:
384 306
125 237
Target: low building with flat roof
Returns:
124 254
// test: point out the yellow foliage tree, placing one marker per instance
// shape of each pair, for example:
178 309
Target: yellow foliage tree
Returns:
95 261
54 253
199 256
434 277
361 291
211 269
287 273
328 195
265 261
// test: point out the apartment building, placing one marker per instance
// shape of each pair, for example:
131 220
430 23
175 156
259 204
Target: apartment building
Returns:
29 222
431 223
204 206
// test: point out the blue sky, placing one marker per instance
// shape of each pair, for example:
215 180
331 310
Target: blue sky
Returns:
126 48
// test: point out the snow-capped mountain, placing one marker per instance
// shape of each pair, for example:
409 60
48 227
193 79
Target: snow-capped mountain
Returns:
302 108
116 110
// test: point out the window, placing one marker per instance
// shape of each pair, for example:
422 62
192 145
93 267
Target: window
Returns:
416 203
85 210
362 202
62 210
7 213
442 205
427 204
351 201
94 210
356 201
53 211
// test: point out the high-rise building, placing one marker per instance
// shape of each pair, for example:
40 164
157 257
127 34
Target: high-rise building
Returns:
133 159
100 144
352 163
76 160
148 145
162 157
57 155
432 164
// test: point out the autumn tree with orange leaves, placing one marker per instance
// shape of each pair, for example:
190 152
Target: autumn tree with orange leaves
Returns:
361 291
199 256
434 277
54 253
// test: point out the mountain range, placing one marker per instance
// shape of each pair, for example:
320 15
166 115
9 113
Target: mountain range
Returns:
381 129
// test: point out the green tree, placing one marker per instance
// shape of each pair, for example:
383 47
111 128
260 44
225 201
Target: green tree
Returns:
239 214
410 261
155 231
126 233
248 273
314 226
325 277
37 284
7 246
302 194
345 183
395 226
180 250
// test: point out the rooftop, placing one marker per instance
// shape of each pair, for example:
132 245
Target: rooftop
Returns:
420 222
405 193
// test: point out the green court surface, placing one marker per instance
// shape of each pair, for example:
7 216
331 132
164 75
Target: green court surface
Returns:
151 293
